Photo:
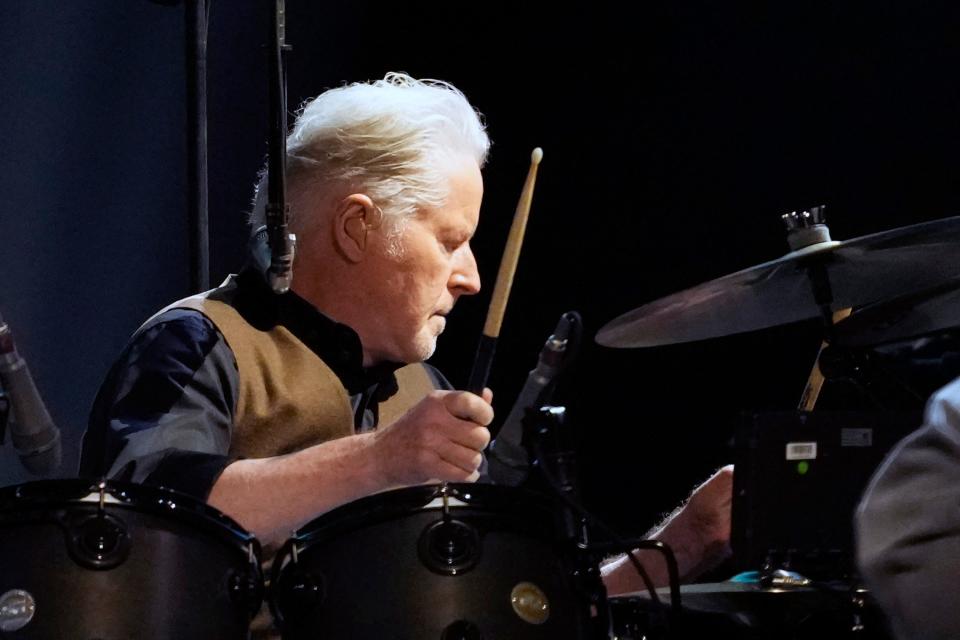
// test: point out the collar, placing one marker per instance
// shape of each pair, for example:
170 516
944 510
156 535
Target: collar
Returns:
336 344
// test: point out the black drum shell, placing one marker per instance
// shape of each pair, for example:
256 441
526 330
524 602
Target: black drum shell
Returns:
186 573
371 582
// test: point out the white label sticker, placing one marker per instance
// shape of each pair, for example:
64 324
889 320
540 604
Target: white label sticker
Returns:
801 450
856 437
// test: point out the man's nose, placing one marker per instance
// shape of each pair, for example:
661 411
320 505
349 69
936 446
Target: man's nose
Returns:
465 279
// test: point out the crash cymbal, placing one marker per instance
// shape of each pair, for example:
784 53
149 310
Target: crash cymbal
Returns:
901 318
857 272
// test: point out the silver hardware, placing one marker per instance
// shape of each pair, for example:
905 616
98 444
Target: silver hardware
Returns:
16 610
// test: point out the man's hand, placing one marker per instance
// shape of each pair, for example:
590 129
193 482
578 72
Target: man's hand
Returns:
708 515
698 533
439 439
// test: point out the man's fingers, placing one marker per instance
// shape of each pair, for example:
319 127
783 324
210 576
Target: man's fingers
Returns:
447 472
464 458
469 406
467 434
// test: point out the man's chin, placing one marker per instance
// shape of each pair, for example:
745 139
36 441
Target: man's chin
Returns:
426 347
428 352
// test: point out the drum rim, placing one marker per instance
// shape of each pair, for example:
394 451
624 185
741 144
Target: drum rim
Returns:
31 496
395 502
525 503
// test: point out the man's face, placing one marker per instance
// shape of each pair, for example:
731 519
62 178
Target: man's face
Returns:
410 292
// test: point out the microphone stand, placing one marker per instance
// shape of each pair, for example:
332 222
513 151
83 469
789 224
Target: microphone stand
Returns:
196 18
550 438
197 188
552 441
282 243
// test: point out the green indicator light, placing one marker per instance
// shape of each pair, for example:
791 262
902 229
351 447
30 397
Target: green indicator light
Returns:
802 467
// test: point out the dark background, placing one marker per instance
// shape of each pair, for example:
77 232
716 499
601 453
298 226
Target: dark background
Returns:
674 136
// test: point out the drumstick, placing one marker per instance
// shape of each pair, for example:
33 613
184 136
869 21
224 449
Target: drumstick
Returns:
815 381
501 290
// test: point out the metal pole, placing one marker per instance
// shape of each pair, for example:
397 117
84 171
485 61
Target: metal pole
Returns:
197 206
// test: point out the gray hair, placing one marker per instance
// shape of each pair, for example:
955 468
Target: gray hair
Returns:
391 139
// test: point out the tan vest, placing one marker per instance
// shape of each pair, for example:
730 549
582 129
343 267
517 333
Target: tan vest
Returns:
288 398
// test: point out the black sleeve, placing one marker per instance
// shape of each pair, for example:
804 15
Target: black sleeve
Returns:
164 414
438 379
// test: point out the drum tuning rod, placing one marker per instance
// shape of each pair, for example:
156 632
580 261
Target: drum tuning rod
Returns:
501 290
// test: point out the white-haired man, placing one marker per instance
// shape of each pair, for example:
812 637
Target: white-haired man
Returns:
276 409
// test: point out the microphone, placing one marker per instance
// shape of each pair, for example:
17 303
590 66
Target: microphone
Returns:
35 438
507 459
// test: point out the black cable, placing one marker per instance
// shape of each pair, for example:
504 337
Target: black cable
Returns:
626 545
673 574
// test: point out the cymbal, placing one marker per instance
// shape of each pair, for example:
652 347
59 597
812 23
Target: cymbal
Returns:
861 271
909 316
776 611
730 596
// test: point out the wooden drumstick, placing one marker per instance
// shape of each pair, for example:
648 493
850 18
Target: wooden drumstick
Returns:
501 290
815 380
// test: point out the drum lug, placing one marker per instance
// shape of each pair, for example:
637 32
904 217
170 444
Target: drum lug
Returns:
246 590
246 587
300 591
98 541
449 547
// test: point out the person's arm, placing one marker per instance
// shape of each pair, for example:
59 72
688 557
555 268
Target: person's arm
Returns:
441 438
698 532
165 414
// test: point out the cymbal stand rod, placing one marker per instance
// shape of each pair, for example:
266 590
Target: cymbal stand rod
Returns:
807 230
823 296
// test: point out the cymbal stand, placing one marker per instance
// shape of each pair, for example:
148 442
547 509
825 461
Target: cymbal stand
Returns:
807 232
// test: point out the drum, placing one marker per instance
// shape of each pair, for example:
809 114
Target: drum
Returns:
460 562
114 561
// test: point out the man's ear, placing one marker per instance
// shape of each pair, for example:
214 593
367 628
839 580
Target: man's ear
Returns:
355 216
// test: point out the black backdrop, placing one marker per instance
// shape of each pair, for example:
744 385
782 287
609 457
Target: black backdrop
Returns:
674 136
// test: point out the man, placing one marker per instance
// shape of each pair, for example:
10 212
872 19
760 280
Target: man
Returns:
276 409
908 526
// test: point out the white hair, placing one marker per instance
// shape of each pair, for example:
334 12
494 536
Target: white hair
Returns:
391 139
